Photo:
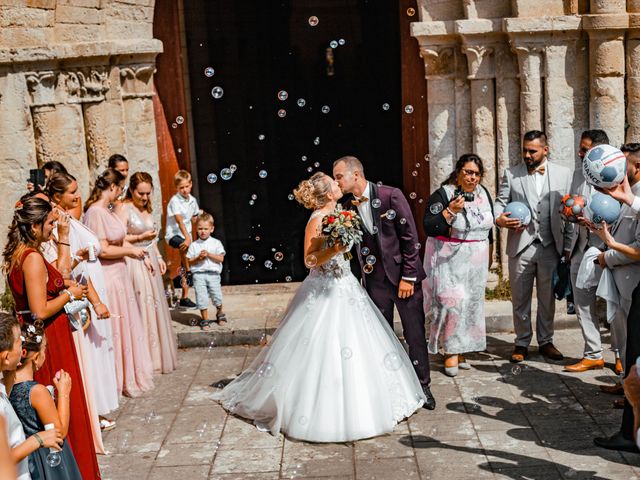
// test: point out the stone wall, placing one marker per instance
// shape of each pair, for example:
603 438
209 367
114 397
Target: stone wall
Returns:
497 68
76 81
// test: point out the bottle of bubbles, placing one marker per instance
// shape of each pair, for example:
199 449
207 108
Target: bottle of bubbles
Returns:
53 458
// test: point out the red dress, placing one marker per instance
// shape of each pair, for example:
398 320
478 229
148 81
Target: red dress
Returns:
61 354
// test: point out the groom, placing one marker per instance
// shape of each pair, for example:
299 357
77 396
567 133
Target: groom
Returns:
391 239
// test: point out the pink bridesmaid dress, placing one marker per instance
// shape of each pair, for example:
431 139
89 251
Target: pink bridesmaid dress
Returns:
134 370
149 289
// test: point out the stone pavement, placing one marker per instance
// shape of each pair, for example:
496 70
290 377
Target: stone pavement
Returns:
496 421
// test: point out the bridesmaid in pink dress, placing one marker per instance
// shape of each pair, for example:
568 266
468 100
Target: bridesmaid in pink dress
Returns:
134 370
146 274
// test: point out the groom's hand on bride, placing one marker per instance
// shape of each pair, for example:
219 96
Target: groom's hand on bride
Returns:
405 289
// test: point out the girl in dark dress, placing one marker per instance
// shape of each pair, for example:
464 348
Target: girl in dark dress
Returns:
36 408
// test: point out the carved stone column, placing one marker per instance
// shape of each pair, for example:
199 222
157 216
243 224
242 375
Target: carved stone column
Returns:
139 123
530 57
104 119
440 67
607 70
633 86
57 114
481 71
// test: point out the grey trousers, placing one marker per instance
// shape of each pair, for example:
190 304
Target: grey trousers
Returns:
585 303
537 263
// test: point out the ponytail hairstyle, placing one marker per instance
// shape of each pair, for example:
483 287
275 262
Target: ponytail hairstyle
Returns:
462 161
312 193
103 182
58 183
135 180
32 336
30 210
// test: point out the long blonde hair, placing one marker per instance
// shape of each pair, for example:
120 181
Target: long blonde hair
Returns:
312 193
103 182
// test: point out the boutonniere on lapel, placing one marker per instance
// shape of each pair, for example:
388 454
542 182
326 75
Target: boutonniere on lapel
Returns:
342 227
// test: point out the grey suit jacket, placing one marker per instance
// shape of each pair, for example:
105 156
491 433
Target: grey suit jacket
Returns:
626 230
516 187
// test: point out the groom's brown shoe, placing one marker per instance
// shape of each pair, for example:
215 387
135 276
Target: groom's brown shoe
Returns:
519 354
551 352
584 365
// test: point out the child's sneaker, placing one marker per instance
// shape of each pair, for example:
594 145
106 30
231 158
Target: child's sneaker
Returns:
187 303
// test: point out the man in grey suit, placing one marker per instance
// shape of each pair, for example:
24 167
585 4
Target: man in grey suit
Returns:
534 249
577 240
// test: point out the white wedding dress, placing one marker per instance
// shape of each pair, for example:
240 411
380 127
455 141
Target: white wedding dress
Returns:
334 370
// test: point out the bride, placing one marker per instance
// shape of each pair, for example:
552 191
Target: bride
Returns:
334 370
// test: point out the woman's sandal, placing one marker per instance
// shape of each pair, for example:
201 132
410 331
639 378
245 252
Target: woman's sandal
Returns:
451 371
106 424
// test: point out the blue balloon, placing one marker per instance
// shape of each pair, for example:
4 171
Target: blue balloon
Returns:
603 208
520 211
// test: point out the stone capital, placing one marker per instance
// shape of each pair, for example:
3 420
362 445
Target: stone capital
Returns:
439 61
42 87
480 60
137 80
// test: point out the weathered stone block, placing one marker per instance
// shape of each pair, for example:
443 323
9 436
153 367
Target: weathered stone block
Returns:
49 4
608 6
435 10
19 37
487 8
78 15
81 3
534 8
128 12
26 17
74 33
121 29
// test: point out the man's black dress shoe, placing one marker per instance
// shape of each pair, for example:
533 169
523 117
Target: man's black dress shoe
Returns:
616 442
430 402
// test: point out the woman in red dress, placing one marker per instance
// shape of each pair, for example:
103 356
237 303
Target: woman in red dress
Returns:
40 296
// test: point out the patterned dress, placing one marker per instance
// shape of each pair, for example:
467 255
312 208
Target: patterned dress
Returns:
457 270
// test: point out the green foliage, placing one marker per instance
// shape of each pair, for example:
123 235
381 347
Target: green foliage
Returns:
6 301
502 290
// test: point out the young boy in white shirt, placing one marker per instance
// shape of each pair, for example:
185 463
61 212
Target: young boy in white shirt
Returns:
180 211
206 255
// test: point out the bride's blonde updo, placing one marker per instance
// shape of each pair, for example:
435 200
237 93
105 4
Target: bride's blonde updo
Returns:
312 193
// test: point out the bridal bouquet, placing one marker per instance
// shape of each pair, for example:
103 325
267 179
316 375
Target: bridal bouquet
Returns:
342 226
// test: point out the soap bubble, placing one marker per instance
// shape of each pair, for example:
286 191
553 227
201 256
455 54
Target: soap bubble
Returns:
341 41
261 137
282 95
411 11
316 141
262 174
367 268
316 164
414 173
174 125
516 370
436 208
226 173
391 214
282 113
209 72
257 238
313 21
288 278
245 257
303 158
346 353
268 264
310 261
309 169
402 221
325 109
420 200
375 203
290 196
371 260
301 102
233 167
416 246
408 109
217 92
252 202
418 165
386 106
251 258
364 251
254 197
333 44
413 195
392 361
278 256
179 119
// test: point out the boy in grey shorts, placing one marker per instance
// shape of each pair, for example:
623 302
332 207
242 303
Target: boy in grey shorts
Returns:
206 255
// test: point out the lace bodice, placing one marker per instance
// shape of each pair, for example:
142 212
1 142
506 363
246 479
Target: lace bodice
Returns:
337 267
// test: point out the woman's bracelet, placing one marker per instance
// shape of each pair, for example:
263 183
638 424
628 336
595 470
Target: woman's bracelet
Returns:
71 297
39 440
63 243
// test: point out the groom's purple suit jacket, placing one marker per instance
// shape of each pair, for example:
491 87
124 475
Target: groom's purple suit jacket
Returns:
396 241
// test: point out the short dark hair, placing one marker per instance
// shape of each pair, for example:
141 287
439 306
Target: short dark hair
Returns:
7 337
630 148
597 137
115 159
534 135
54 167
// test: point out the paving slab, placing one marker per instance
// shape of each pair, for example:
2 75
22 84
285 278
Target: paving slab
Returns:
493 421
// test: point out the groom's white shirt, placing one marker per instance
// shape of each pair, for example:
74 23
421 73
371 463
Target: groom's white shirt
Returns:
364 209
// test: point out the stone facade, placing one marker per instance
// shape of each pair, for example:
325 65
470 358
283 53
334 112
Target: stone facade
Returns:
76 81
497 68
